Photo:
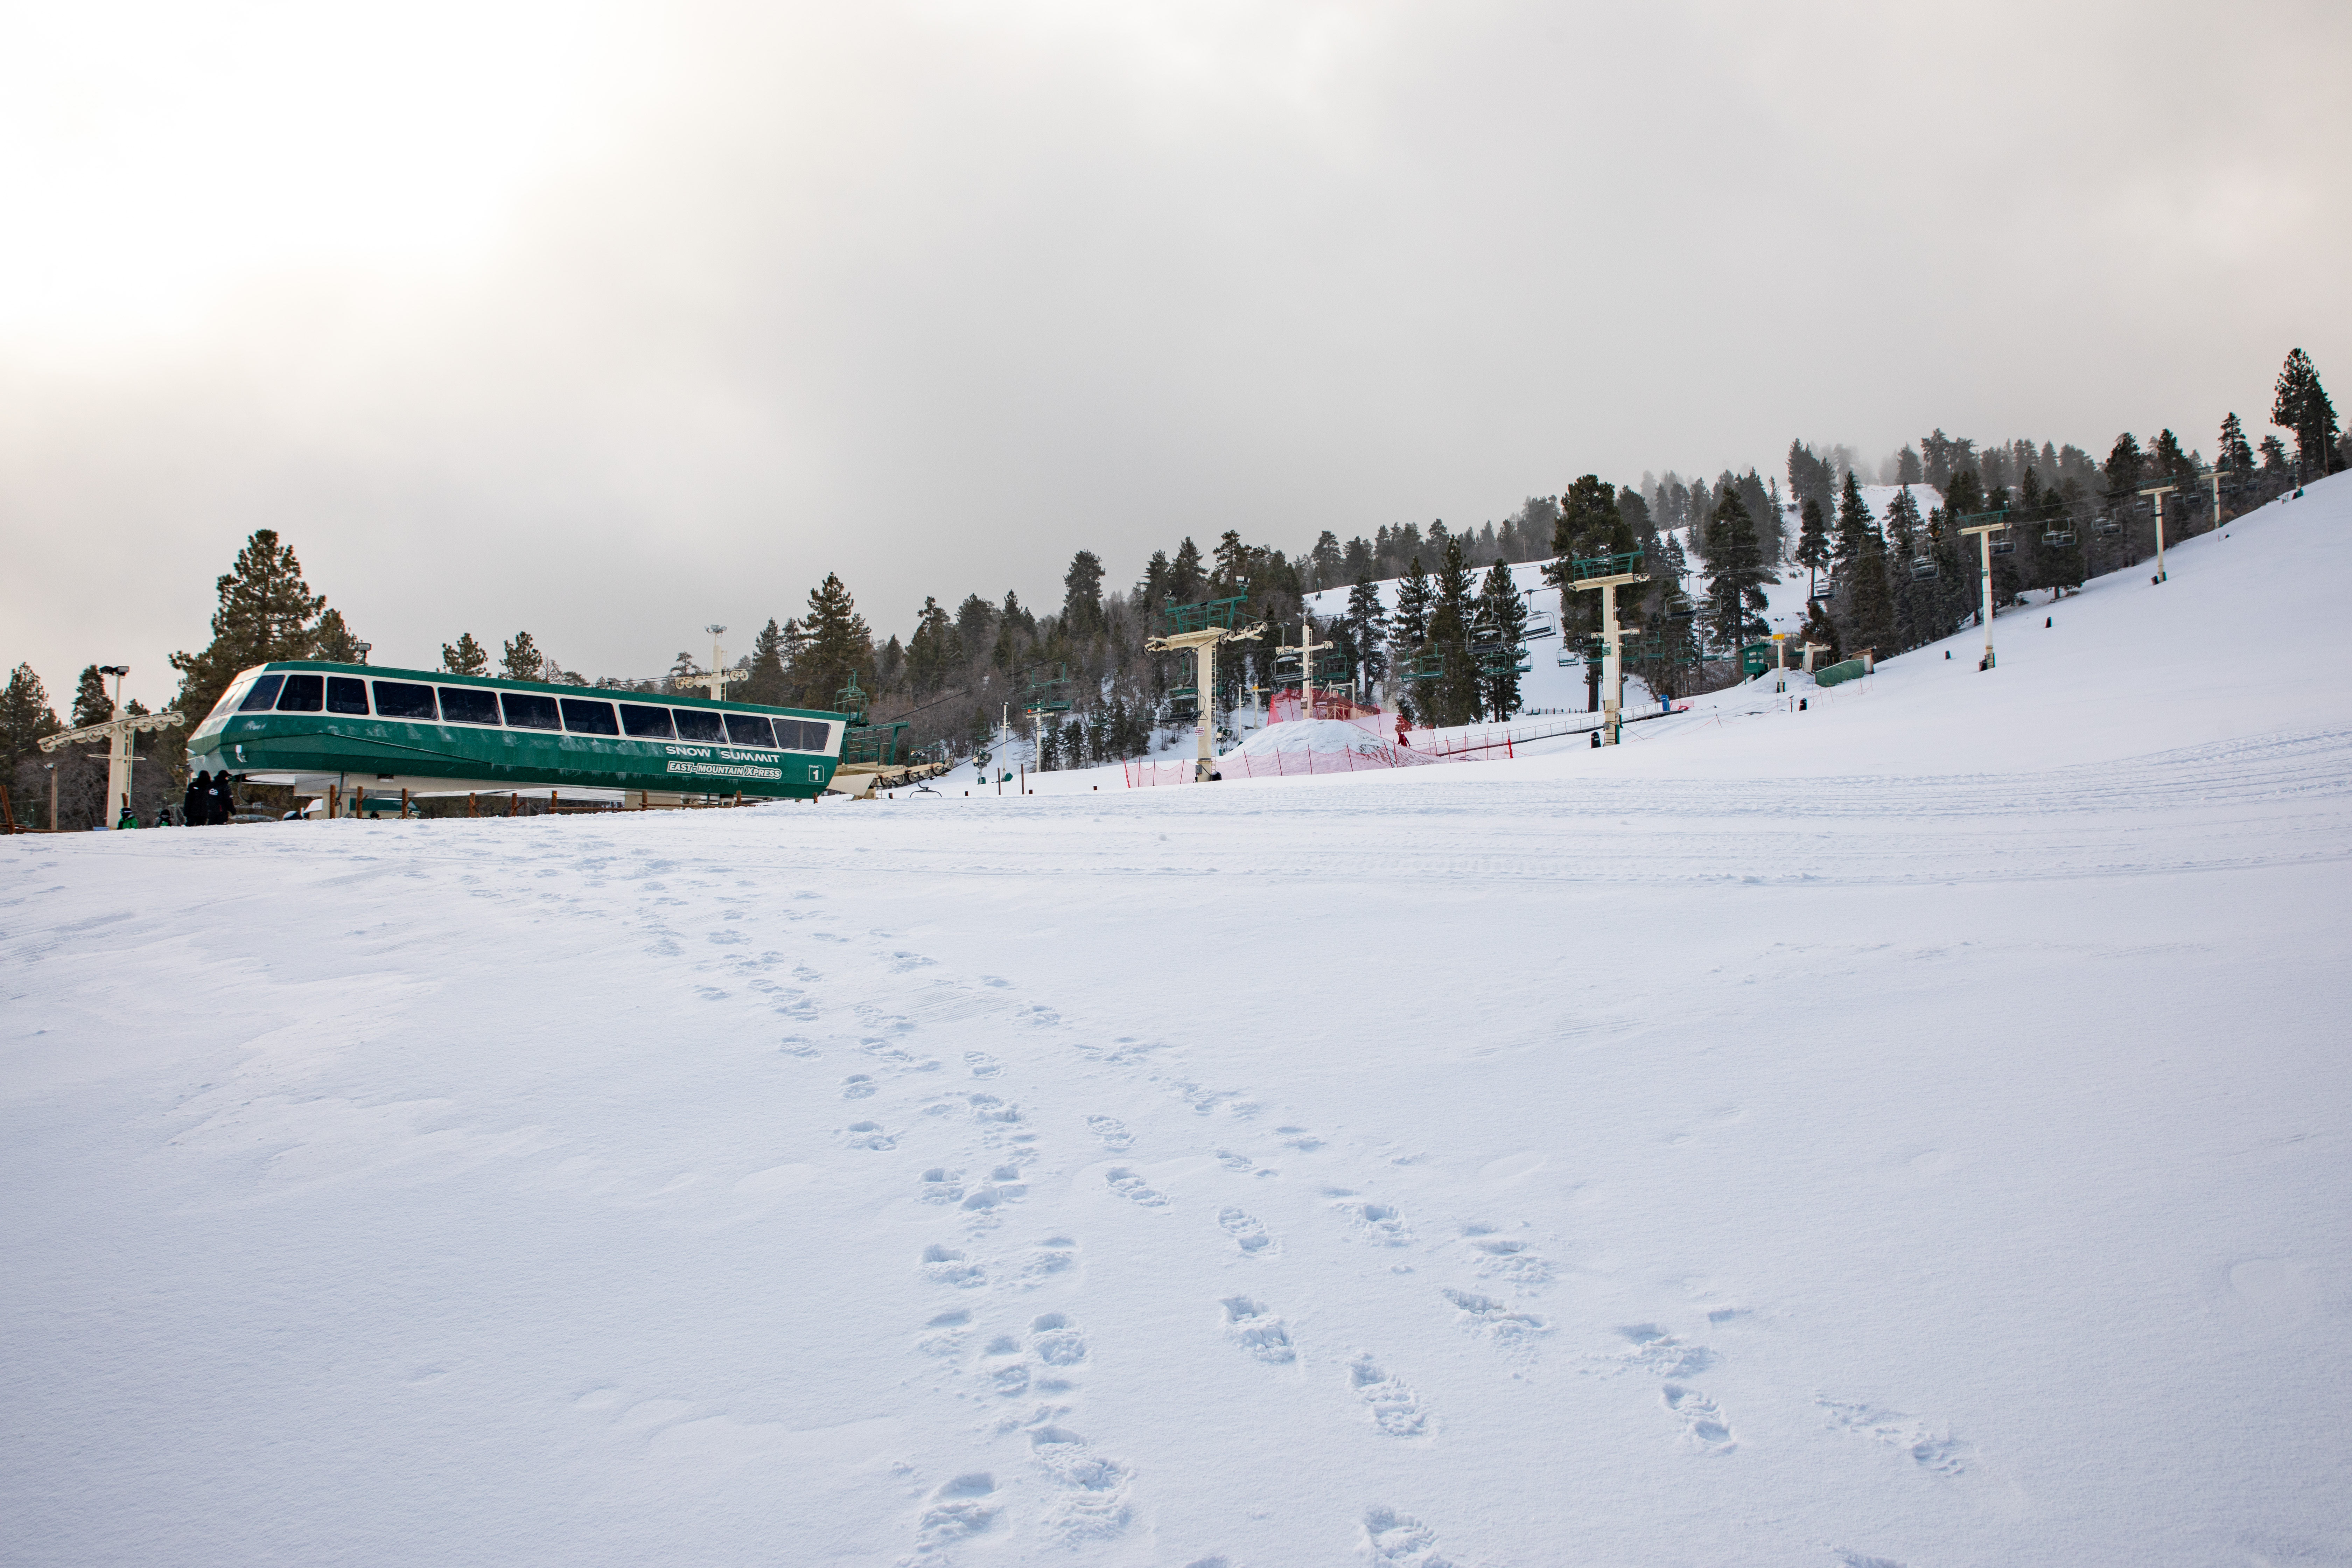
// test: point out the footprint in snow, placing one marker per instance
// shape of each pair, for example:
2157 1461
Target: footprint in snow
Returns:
857 1086
1247 1233
1400 1540
981 1064
1392 1405
941 1185
1486 1316
1049 1259
947 1265
1655 1350
1930 1448
1131 1187
1090 1504
1505 1257
1112 1131
1003 1187
945 1333
1378 1224
1703 1424
1057 1341
870 1135
960 1510
1257 1330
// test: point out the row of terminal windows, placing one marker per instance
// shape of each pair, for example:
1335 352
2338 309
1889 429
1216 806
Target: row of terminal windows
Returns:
528 710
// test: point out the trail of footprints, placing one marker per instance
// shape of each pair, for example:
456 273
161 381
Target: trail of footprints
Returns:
1068 1487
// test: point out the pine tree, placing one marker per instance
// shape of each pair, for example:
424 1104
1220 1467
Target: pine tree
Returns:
1185 580
934 653
1822 631
91 705
838 645
2169 463
1082 606
2275 458
333 640
1914 610
1502 624
1456 693
1908 469
465 656
1369 624
1854 526
2233 454
1813 545
1870 623
2300 404
2126 462
767 682
1811 481
519 658
26 716
1735 574
1414 597
266 611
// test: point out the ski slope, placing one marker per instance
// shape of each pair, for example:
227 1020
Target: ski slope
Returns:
1909 1130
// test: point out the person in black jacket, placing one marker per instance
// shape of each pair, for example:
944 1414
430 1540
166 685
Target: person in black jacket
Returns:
193 808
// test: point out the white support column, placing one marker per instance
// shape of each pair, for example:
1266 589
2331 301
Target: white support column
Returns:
1984 571
2157 493
1612 661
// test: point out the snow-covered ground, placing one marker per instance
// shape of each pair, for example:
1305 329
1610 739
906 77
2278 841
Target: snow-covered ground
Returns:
1908 1130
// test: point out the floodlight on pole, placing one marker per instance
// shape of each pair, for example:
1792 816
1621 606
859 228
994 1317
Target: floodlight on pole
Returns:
720 675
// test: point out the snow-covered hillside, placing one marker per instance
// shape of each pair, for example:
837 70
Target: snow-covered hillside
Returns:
1549 686
1907 1130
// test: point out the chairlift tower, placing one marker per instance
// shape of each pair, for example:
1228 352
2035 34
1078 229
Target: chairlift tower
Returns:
1198 629
1304 653
1984 533
1609 574
2157 492
116 732
720 675
1044 698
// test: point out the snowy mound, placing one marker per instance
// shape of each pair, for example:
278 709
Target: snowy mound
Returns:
1324 735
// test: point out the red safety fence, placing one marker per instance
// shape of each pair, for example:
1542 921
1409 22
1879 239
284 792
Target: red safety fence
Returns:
1283 708
1373 754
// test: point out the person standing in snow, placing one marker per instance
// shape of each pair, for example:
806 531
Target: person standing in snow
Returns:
192 807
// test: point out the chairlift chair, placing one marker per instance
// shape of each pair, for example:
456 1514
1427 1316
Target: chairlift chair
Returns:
2110 525
2058 534
2004 544
1923 568
1540 625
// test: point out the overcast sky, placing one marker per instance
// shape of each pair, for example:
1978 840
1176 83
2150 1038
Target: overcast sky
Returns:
611 322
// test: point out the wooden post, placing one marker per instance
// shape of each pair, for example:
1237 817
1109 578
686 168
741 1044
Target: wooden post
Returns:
473 804
7 815
552 796
333 801
514 802
52 800
403 802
